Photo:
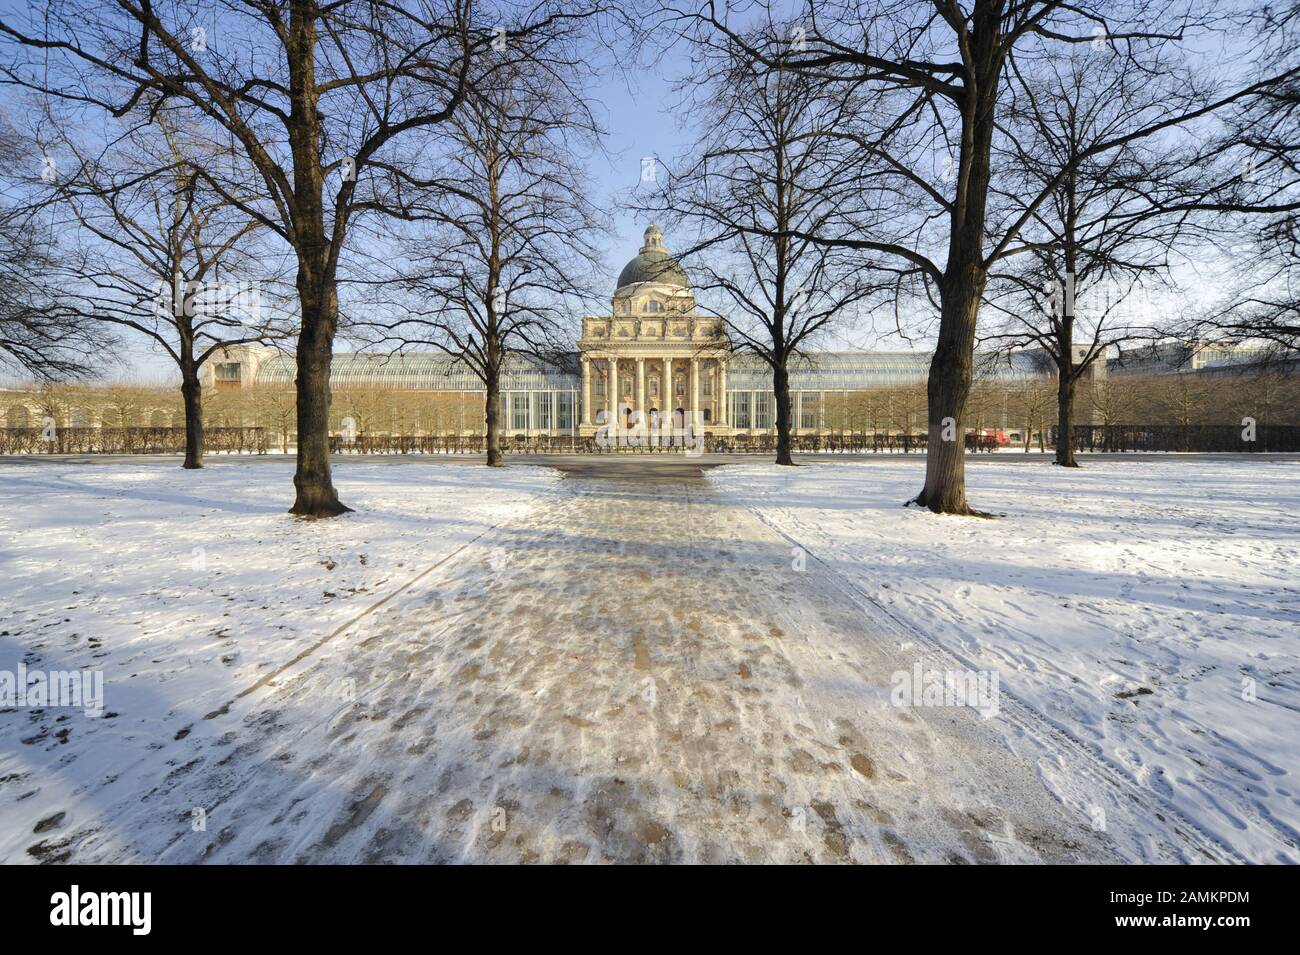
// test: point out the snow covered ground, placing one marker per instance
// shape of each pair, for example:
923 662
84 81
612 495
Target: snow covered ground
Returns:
634 663
186 587
629 670
1147 609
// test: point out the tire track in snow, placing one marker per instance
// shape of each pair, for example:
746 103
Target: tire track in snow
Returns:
1037 726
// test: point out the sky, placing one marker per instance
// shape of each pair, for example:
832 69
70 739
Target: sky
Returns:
636 108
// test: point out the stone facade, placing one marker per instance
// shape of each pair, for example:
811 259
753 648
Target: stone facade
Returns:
654 355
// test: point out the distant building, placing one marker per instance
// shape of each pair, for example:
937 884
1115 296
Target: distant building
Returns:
654 353
1175 357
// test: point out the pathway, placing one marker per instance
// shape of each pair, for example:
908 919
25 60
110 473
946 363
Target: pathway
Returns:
635 673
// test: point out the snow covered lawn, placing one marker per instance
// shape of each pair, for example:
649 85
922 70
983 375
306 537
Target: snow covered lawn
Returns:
185 587
1147 608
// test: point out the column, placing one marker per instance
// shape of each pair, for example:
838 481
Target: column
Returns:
667 397
586 390
611 392
640 388
695 393
722 392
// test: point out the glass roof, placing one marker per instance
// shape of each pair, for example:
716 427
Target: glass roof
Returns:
824 371
430 372
853 371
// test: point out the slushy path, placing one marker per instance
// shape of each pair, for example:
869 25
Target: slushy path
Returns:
637 672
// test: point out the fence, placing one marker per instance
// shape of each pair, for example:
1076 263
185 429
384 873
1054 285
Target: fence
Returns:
452 444
127 440
1115 437
837 442
1185 438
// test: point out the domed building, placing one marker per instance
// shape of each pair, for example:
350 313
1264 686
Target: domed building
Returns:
654 354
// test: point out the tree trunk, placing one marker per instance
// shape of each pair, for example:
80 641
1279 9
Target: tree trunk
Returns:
965 274
947 390
492 382
781 387
192 395
317 291
1065 419
316 495
494 423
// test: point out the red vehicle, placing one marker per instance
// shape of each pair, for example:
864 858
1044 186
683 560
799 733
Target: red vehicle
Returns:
986 439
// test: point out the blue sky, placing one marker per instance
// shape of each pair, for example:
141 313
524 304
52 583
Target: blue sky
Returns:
635 109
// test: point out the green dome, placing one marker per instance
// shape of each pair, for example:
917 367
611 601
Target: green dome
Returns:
654 264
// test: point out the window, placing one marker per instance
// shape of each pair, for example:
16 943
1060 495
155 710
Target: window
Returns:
565 412
808 410
706 415
740 408
600 386
654 387
627 385
544 422
653 306
762 410
681 386
708 384
227 371
519 411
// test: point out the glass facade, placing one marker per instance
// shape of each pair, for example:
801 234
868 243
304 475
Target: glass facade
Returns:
545 397
809 405
740 417
519 411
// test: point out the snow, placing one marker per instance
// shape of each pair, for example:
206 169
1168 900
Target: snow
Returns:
626 668
637 662
186 587
1141 615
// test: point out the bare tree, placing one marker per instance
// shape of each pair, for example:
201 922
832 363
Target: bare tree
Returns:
935 75
1258 158
40 333
316 94
770 174
509 245
1101 238
159 251
1113 400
